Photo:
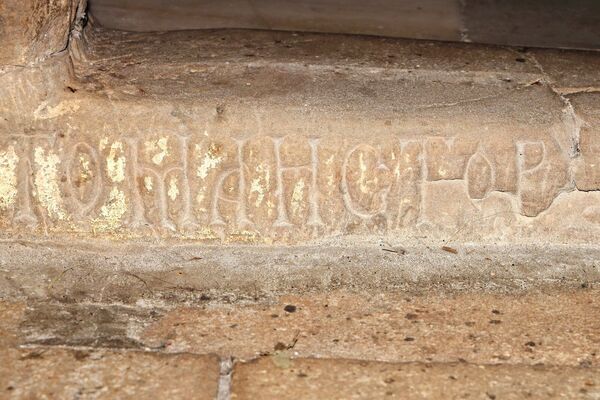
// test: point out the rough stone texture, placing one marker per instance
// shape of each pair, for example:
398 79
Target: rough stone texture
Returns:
568 71
560 328
44 373
276 378
11 314
110 326
173 272
31 30
542 343
233 166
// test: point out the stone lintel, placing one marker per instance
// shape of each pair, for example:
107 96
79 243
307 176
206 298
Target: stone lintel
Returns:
269 141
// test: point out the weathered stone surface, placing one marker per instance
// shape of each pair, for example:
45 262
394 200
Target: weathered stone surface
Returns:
11 315
61 373
293 153
80 271
569 71
277 378
558 328
110 326
236 165
31 30
538 345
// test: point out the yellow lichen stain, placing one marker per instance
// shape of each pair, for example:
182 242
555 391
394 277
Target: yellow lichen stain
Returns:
200 198
8 177
206 233
363 169
115 163
331 177
211 160
86 172
46 183
148 183
160 147
270 208
103 143
330 180
298 197
243 236
111 213
173 191
261 185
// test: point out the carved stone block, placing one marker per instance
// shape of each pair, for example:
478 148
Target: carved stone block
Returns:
274 152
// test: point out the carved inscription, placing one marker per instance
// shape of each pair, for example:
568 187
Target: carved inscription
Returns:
268 188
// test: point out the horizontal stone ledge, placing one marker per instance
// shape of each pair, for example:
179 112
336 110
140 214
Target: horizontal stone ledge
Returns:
107 271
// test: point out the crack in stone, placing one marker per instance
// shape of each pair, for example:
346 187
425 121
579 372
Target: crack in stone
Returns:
573 122
576 121
460 102
565 91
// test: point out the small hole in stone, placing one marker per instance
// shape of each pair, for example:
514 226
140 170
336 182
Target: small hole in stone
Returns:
290 308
